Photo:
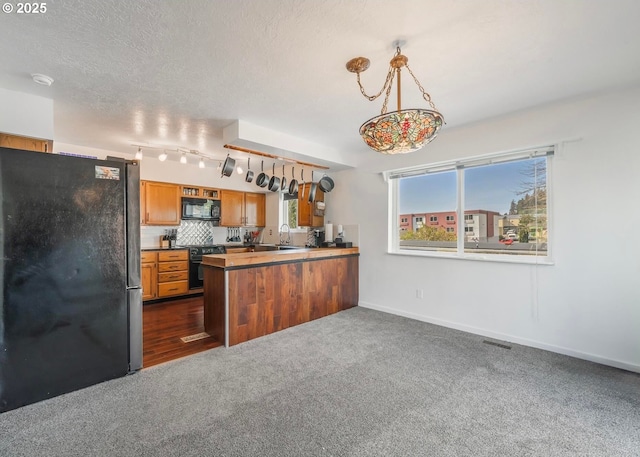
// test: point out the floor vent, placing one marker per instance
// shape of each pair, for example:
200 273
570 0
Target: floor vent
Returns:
196 337
500 345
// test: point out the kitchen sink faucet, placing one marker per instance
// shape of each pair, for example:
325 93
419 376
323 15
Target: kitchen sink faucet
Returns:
282 232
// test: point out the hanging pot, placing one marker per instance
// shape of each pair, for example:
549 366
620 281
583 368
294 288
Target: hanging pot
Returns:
274 182
283 181
312 189
326 184
293 185
262 180
249 176
229 165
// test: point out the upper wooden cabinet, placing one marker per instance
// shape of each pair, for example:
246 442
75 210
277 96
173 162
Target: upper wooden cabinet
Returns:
242 209
200 192
308 214
159 203
254 209
26 143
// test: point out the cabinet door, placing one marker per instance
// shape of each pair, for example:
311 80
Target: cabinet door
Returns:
143 203
23 142
254 205
149 278
162 203
231 208
306 217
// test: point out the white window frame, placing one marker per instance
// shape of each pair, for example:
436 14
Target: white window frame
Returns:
391 177
283 217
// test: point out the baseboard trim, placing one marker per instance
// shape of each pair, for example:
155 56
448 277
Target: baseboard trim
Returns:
506 337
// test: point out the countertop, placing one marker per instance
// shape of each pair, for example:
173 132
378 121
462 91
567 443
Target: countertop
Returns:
263 257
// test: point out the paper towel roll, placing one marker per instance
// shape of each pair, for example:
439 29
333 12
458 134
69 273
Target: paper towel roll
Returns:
339 229
328 232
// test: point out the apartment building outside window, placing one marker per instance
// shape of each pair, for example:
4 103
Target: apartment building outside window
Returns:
488 193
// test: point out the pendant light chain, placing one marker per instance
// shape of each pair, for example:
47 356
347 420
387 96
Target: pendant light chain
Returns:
387 83
425 94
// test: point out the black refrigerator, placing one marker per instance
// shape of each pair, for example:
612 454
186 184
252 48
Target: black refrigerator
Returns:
71 303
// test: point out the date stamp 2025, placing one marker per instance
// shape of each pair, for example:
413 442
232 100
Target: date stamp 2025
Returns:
24 8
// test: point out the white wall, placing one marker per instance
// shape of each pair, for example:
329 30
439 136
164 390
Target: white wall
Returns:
588 303
26 115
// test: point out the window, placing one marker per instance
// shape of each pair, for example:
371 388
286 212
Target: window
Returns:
501 198
290 209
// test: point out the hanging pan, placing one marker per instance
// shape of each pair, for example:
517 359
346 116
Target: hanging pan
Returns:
229 165
312 189
293 185
326 184
274 182
262 180
303 183
249 176
283 181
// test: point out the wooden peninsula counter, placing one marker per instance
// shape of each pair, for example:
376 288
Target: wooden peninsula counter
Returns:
252 294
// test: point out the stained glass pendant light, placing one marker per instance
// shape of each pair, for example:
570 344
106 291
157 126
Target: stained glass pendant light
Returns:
403 130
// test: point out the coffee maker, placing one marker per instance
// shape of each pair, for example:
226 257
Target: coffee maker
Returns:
318 237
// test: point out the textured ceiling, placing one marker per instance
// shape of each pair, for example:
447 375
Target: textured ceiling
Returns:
177 72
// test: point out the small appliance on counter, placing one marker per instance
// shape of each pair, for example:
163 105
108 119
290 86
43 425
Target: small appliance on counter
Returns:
318 237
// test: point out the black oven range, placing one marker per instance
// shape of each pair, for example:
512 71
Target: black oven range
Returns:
196 274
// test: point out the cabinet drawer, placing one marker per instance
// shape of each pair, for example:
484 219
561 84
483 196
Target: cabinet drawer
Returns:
164 267
148 256
177 276
167 289
166 256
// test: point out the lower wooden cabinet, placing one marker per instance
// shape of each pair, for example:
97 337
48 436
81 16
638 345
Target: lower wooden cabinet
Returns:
165 273
149 274
173 273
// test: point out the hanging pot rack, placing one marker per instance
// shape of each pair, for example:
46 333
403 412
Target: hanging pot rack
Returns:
273 156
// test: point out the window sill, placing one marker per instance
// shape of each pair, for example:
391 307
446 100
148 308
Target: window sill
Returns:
526 260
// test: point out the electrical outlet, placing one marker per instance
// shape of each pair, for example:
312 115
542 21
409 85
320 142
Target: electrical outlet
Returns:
270 232
419 293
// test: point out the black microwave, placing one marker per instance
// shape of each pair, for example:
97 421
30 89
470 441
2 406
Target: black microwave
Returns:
201 209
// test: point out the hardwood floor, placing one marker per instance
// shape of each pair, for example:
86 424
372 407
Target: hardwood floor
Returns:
165 323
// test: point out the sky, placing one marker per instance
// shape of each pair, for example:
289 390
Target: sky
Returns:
490 187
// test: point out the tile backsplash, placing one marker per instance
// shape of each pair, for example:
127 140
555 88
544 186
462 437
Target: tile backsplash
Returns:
189 233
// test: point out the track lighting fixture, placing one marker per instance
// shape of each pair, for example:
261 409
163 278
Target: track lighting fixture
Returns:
162 157
138 155
183 158
201 163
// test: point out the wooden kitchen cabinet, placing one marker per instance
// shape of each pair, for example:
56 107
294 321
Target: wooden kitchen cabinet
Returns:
308 214
242 209
160 203
164 273
26 143
173 272
254 209
149 274
200 192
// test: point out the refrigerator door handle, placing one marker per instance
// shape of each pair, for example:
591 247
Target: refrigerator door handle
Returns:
134 302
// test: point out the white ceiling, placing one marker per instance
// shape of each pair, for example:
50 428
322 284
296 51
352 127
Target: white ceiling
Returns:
177 72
